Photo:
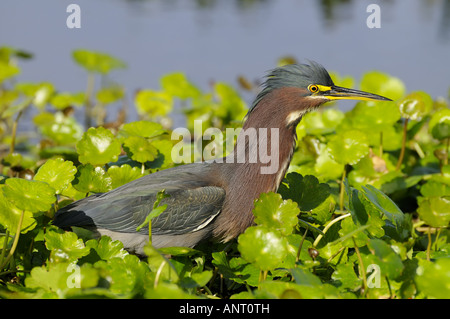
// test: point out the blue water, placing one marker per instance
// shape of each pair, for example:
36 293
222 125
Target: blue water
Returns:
221 39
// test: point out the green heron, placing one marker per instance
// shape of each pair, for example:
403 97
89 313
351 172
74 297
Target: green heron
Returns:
213 199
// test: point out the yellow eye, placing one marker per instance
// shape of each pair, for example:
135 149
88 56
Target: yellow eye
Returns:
313 88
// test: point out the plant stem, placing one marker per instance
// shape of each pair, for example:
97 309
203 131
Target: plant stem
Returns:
429 245
150 231
341 193
337 253
14 132
16 240
89 98
363 270
334 221
402 151
300 246
447 150
158 273
262 276
381 144
5 243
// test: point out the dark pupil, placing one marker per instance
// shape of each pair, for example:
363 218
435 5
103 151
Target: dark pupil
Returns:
314 88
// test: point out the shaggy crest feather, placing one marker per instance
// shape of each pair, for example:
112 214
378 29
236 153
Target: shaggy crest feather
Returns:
293 75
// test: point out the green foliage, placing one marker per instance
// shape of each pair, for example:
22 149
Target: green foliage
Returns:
98 146
97 62
363 212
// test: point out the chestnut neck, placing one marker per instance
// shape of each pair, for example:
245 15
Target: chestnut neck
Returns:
244 178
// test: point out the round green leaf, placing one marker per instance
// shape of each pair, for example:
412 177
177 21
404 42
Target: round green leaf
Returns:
348 147
435 211
326 167
416 105
98 146
139 149
66 99
97 61
153 103
123 174
110 94
39 92
10 216
433 278
177 85
441 130
89 179
57 173
390 263
34 196
231 105
275 213
383 84
350 231
322 123
435 188
106 248
346 277
142 128
374 114
61 129
65 246
8 71
441 116
262 246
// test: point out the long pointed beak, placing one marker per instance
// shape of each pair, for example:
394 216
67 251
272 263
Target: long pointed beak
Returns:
340 93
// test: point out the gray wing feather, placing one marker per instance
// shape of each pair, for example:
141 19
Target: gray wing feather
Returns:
191 205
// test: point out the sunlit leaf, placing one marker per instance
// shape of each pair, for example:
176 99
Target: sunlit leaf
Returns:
40 93
351 233
275 213
262 246
106 248
386 258
63 130
441 130
441 116
98 62
10 216
383 84
91 179
98 146
65 246
8 71
345 276
322 123
177 85
123 174
66 99
348 147
110 94
435 188
433 278
34 196
145 129
153 103
57 173
435 211
416 105
139 149
231 105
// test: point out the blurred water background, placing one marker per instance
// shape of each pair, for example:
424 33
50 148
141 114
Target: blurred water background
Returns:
218 40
